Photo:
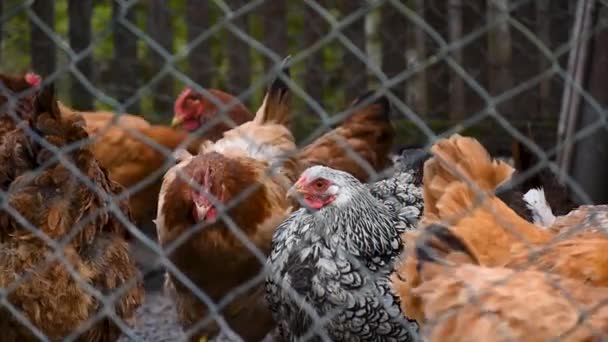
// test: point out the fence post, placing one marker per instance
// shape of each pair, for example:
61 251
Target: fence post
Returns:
590 158
499 52
353 69
457 94
200 59
80 38
417 88
394 45
238 53
1 28
543 26
43 51
160 29
314 75
275 28
125 63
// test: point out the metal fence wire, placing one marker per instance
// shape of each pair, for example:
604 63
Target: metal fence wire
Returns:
128 214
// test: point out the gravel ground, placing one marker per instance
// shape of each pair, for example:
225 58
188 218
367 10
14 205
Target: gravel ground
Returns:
156 320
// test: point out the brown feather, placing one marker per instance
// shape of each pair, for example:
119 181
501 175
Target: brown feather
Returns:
471 303
496 236
55 203
367 133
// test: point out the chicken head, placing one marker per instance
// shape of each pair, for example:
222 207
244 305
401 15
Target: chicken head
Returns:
193 110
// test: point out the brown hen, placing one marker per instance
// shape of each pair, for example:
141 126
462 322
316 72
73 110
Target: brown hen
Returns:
45 203
462 301
211 113
458 190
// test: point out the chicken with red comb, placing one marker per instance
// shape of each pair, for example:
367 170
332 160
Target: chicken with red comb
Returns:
194 110
33 79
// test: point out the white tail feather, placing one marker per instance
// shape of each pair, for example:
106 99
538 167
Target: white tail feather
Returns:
540 208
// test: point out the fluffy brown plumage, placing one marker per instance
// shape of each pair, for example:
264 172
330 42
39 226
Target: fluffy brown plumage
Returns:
497 234
17 96
137 161
59 205
481 229
366 132
462 301
135 154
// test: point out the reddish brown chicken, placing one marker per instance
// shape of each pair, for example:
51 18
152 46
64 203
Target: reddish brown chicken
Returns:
253 164
215 259
195 111
52 201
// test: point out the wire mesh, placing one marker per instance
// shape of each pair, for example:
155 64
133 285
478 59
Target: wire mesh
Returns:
523 77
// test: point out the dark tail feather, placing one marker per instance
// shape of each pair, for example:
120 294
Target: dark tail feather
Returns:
366 99
46 101
412 160
436 243
275 107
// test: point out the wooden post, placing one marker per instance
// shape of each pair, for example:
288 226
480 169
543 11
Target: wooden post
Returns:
543 27
590 158
373 42
125 75
200 61
42 49
457 89
499 51
1 28
314 75
394 44
80 12
160 29
238 53
354 70
577 67
417 87
275 28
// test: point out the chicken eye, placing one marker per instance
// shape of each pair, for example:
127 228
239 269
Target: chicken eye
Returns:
319 184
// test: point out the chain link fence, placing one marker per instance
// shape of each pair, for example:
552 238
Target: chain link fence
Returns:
523 77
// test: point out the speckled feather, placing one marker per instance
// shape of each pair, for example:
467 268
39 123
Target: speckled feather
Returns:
339 259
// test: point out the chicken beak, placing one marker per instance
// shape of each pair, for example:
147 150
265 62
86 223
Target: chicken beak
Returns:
294 191
177 121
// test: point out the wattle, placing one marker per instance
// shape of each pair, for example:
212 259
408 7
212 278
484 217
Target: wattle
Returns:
211 214
191 125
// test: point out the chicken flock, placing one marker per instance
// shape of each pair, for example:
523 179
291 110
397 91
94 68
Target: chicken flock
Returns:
263 237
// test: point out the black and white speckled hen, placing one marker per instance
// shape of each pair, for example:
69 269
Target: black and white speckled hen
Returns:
402 192
334 257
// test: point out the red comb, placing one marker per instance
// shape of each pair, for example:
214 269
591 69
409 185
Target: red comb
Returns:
33 79
180 100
